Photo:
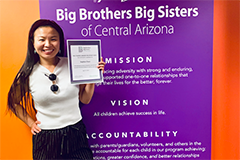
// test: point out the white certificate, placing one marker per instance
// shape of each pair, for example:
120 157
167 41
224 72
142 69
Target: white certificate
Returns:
83 58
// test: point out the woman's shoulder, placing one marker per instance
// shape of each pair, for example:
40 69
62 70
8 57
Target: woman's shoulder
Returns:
63 58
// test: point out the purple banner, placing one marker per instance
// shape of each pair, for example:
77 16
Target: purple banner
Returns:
155 101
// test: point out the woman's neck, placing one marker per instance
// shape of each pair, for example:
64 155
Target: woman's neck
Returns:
49 64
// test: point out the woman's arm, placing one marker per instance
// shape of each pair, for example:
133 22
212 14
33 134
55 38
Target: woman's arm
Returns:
16 98
86 92
27 119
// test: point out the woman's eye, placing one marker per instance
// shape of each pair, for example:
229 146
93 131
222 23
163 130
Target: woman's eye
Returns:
41 40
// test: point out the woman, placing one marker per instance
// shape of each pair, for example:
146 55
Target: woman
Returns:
58 130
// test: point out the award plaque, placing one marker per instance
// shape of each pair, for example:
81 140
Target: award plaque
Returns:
83 58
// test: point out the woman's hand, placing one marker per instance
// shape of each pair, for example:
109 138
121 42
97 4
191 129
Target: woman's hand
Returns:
101 65
34 127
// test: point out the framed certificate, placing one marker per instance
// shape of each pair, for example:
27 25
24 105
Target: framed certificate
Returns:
83 58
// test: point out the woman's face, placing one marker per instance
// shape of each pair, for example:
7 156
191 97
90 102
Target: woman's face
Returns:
46 42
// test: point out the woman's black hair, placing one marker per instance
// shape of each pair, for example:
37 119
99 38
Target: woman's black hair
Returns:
19 93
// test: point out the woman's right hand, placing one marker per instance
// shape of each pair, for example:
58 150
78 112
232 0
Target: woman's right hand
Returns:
34 127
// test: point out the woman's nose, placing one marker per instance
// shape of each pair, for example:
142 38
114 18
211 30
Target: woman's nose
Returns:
47 43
